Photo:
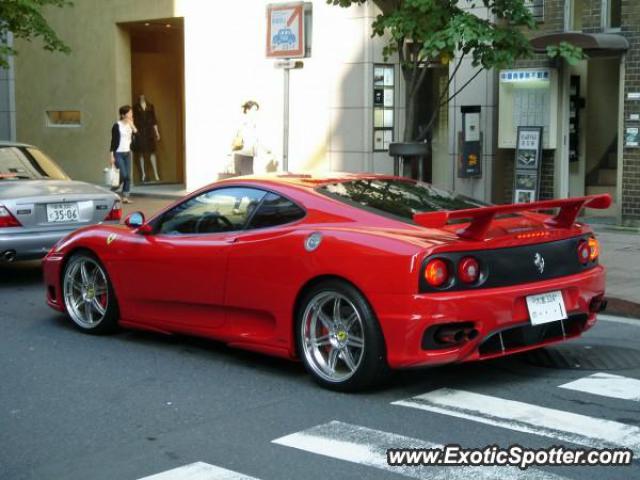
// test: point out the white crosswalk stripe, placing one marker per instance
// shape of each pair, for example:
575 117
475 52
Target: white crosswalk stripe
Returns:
524 417
607 385
365 446
199 471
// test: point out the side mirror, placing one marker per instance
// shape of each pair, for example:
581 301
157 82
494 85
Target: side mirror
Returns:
136 220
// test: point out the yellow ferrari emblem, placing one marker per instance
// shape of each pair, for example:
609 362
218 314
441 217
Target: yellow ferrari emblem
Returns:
342 335
111 238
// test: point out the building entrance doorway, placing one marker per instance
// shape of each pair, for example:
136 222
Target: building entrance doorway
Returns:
157 92
594 92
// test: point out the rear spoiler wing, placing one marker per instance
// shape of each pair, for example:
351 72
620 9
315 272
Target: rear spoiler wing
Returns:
481 218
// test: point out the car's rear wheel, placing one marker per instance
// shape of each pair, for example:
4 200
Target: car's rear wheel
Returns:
339 339
88 294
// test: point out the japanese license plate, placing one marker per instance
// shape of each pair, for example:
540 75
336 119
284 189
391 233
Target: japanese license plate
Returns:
62 212
546 307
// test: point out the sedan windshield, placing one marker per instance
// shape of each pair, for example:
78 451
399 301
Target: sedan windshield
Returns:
400 199
27 163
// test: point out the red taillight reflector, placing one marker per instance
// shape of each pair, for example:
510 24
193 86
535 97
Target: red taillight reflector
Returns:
594 249
437 273
584 252
468 270
116 212
7 220
532 235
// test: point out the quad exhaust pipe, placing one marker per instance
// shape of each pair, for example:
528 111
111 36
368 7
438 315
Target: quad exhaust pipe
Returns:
8 256
453 335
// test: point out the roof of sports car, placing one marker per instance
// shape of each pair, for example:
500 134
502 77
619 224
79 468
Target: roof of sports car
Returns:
310 180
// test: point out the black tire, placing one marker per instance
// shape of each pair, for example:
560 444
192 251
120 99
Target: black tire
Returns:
371 367
84 295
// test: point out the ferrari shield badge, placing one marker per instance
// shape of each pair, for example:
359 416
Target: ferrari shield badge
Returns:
111 238
538 261
312 242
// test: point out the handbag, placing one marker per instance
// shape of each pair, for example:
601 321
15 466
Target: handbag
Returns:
112 176
238 142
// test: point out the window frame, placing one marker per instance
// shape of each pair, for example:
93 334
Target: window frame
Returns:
158 220
606 16
392 108
250 218
49 113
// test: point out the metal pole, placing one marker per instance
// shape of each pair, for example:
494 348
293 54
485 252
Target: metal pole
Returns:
285 123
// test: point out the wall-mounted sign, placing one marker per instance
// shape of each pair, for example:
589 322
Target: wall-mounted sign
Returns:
470 158
633 96
634 117
512 76
632 137
285 30
528 163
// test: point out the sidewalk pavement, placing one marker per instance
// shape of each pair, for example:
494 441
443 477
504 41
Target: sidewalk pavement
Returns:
620 253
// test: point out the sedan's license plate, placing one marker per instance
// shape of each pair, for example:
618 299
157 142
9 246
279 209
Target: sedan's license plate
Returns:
62 212
546 307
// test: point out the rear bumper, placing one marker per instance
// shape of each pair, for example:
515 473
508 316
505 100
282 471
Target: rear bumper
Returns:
404 319
31 245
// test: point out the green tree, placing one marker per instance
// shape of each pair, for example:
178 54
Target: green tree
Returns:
427 31
24 19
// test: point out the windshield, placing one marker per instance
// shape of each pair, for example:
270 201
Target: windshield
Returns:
400 199
28 163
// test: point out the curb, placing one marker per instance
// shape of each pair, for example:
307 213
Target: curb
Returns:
622 308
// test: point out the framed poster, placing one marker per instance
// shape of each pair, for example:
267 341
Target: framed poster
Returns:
525 196
526 180
527 163
529 148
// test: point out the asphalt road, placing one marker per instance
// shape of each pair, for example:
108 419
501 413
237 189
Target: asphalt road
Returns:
131 405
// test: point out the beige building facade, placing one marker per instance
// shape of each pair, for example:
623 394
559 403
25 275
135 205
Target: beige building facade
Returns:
197 61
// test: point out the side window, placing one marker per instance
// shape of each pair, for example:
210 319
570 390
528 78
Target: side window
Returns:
276 210
221 210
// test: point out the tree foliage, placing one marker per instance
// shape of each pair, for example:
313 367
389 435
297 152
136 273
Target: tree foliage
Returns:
433 31
24 19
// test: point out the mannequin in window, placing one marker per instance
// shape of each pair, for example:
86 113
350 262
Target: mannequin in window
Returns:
144 117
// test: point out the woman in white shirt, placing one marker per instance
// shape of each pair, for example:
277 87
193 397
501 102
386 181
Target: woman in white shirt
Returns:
120 152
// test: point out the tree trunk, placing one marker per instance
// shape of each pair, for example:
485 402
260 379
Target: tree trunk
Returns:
409 117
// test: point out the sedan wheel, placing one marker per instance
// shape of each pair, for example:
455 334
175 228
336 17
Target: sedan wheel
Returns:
339 338
88 296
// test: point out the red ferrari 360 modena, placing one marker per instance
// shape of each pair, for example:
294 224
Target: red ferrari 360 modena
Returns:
353 274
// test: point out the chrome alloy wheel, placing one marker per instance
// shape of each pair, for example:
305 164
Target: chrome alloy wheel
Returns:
86 292
332 336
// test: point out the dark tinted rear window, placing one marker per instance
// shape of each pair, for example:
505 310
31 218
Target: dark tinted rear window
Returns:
398 198
276 210
28 163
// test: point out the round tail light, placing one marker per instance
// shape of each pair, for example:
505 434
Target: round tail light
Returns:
584 252
437 272
594 249
468 270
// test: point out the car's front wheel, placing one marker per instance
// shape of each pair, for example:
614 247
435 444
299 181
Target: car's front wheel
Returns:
339 339
88 294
